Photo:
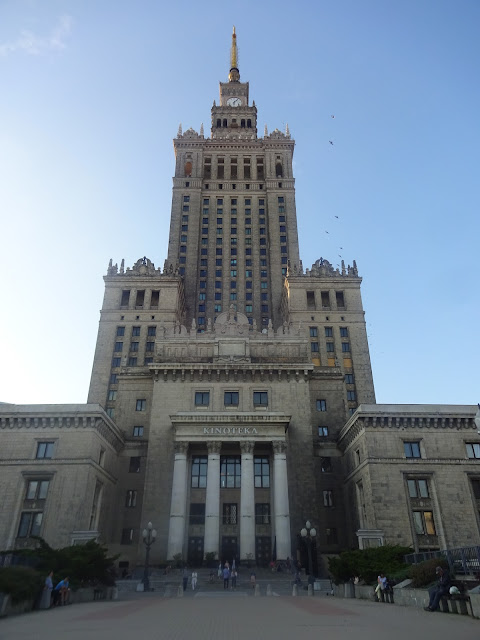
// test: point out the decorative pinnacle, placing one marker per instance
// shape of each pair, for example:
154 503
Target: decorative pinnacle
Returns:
233 52
234 75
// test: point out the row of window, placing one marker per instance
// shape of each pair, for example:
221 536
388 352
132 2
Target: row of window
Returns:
134 346
231 398
328 332
314 347
136 330
325 300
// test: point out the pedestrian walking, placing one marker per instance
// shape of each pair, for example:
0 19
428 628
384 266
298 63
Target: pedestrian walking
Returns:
226 577
194 580
234 579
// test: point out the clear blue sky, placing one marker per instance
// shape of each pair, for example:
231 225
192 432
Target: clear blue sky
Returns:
93 93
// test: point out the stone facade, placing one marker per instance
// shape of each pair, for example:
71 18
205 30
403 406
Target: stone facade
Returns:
232 396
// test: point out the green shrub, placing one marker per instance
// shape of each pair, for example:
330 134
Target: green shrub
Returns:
21 583
85 564
367 564
423 574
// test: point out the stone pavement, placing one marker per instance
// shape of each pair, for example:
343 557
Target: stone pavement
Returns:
234 616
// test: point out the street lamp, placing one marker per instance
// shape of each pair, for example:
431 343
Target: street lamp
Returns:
149 534
308 534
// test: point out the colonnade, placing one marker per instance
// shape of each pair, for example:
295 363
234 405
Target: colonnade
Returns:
280 514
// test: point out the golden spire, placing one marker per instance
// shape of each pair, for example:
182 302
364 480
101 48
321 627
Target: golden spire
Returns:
234 75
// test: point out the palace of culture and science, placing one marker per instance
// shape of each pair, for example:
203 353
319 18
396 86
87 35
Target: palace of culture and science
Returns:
232 396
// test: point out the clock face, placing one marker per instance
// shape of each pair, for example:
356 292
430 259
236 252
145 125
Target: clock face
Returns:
234 102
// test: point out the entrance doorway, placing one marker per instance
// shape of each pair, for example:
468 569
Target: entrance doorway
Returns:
195 552
229 549
263 550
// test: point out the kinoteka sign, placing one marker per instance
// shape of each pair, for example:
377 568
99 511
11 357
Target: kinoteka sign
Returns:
230 431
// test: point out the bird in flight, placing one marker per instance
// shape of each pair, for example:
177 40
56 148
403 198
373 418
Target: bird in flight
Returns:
327 232
336 217
332 116
330 142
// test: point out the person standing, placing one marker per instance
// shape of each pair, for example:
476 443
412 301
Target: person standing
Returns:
219 571
234 579
194 580
185 578
226 577
47 592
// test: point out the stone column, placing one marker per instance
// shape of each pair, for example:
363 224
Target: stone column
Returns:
178 507
247 503
212 500
281 508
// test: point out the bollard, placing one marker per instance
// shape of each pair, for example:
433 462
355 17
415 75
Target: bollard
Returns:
294 590
180 591
269 589
310 590
257 590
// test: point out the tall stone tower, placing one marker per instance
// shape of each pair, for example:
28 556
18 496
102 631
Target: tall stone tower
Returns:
234 225
232 371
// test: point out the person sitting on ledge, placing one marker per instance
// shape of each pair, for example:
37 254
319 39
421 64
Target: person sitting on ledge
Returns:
441 589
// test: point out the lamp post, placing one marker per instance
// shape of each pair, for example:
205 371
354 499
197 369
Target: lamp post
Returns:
308 534
149 534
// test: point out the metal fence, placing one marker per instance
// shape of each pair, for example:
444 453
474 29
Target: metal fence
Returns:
464 561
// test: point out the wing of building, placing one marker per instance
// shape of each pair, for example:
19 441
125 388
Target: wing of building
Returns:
232 395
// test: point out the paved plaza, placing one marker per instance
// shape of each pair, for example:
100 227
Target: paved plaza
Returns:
235 616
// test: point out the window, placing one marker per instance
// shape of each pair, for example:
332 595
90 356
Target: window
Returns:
150 346
340 299
44 450
329 332
110 412
349 379
113 378
230 472
326 465
118 346
412 449
132 362
112 395
331 535
423 523
135 331
229 513
322 432
345 347
248 308
217 308
202 398
131 499
344 332
197 513
134 346
351 396
314 347
328 498
134 466
30 524
262 472
127 536
120 331
418 488
321 405
330 347
137 432
313 332
199 472
230 398
116 362
262 513
264 285
260 399
125 299
37 489
141 405
473 449
148 360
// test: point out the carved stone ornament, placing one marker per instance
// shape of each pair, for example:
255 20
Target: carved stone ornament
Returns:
180 447
247 446
279 446
214 446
